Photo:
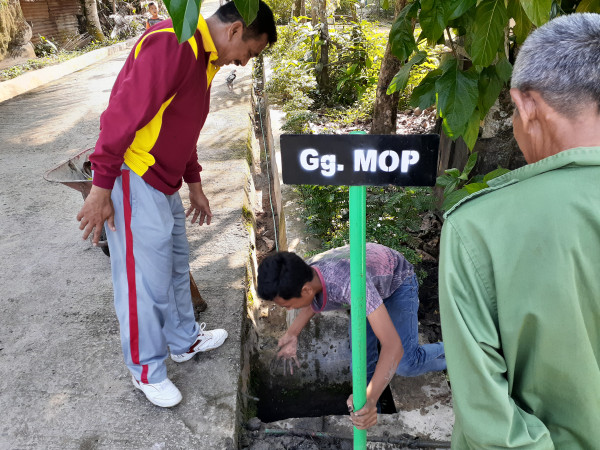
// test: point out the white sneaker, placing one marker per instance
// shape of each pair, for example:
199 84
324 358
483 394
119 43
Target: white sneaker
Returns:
163 394
207 340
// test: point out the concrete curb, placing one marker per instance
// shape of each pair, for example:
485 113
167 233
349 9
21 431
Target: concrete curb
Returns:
36 78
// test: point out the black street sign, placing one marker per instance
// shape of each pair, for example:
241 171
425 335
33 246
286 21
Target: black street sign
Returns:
359 159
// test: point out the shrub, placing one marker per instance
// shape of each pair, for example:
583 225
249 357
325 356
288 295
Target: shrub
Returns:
355 57
282 10
393 215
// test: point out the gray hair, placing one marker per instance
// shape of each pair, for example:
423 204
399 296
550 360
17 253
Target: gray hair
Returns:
561 61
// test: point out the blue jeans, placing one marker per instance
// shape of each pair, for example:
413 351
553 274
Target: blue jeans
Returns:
402 306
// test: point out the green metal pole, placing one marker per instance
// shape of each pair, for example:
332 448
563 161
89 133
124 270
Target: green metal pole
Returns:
358 309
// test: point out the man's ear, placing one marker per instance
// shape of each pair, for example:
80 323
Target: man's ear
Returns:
526 106
235 28
307 289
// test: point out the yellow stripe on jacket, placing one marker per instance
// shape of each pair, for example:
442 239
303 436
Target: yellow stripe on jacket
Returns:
138 156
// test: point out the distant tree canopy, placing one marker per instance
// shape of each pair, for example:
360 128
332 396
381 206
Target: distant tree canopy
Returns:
480 37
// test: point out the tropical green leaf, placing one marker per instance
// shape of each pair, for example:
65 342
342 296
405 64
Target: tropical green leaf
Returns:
448 182
452 133
488 31
504 69
432 19
385 5
456 8
424 95
469 166
451 186
185 17
400 80
589 6
453 198
523 25
494 174
490 86
472 131
444 180
455 173
462 25
474 187
248 10
457 95
538 11
402 40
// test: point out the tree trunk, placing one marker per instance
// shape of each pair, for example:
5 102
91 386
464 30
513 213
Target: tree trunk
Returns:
298 8
93 22
385 109
322 66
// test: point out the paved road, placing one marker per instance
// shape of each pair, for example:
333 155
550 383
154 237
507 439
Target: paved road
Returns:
63 383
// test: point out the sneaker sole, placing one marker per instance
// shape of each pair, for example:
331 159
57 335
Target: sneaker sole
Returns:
163 404
188 356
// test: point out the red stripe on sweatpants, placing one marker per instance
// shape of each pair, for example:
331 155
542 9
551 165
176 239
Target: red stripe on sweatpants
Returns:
134 335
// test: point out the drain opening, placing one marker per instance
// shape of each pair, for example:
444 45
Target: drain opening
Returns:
274 404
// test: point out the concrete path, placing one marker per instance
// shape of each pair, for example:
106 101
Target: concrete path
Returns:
63 383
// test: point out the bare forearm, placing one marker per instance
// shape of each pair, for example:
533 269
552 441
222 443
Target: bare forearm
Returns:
389 358
195 188
300 321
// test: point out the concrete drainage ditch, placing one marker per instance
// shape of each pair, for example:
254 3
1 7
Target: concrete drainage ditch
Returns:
307 409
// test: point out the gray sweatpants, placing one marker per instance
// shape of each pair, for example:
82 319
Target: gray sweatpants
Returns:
149 255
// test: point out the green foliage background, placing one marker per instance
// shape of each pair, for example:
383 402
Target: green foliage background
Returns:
476 65
393 215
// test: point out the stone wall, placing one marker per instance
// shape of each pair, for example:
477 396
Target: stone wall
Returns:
57 20
15 33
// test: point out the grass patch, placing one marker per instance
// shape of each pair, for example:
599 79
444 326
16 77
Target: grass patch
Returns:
50 60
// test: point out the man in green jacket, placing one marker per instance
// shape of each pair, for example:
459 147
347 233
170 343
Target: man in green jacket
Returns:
520 262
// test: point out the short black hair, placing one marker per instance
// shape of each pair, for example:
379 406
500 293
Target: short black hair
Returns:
263 24
282 274
150 4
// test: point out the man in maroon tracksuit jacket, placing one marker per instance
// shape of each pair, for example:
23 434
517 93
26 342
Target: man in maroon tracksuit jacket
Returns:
146 148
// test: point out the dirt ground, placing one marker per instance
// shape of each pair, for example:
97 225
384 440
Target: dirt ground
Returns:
63 383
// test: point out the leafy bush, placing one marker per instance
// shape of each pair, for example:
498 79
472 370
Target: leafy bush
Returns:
358 51
296 122
282 10
292 63
417 71
355 57
45 47
393 213
458 185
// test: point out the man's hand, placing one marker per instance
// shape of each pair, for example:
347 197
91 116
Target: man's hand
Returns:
96 209
365 417
288 352
199 205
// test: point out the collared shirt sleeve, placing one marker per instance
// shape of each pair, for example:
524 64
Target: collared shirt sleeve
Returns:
151 80
486 415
